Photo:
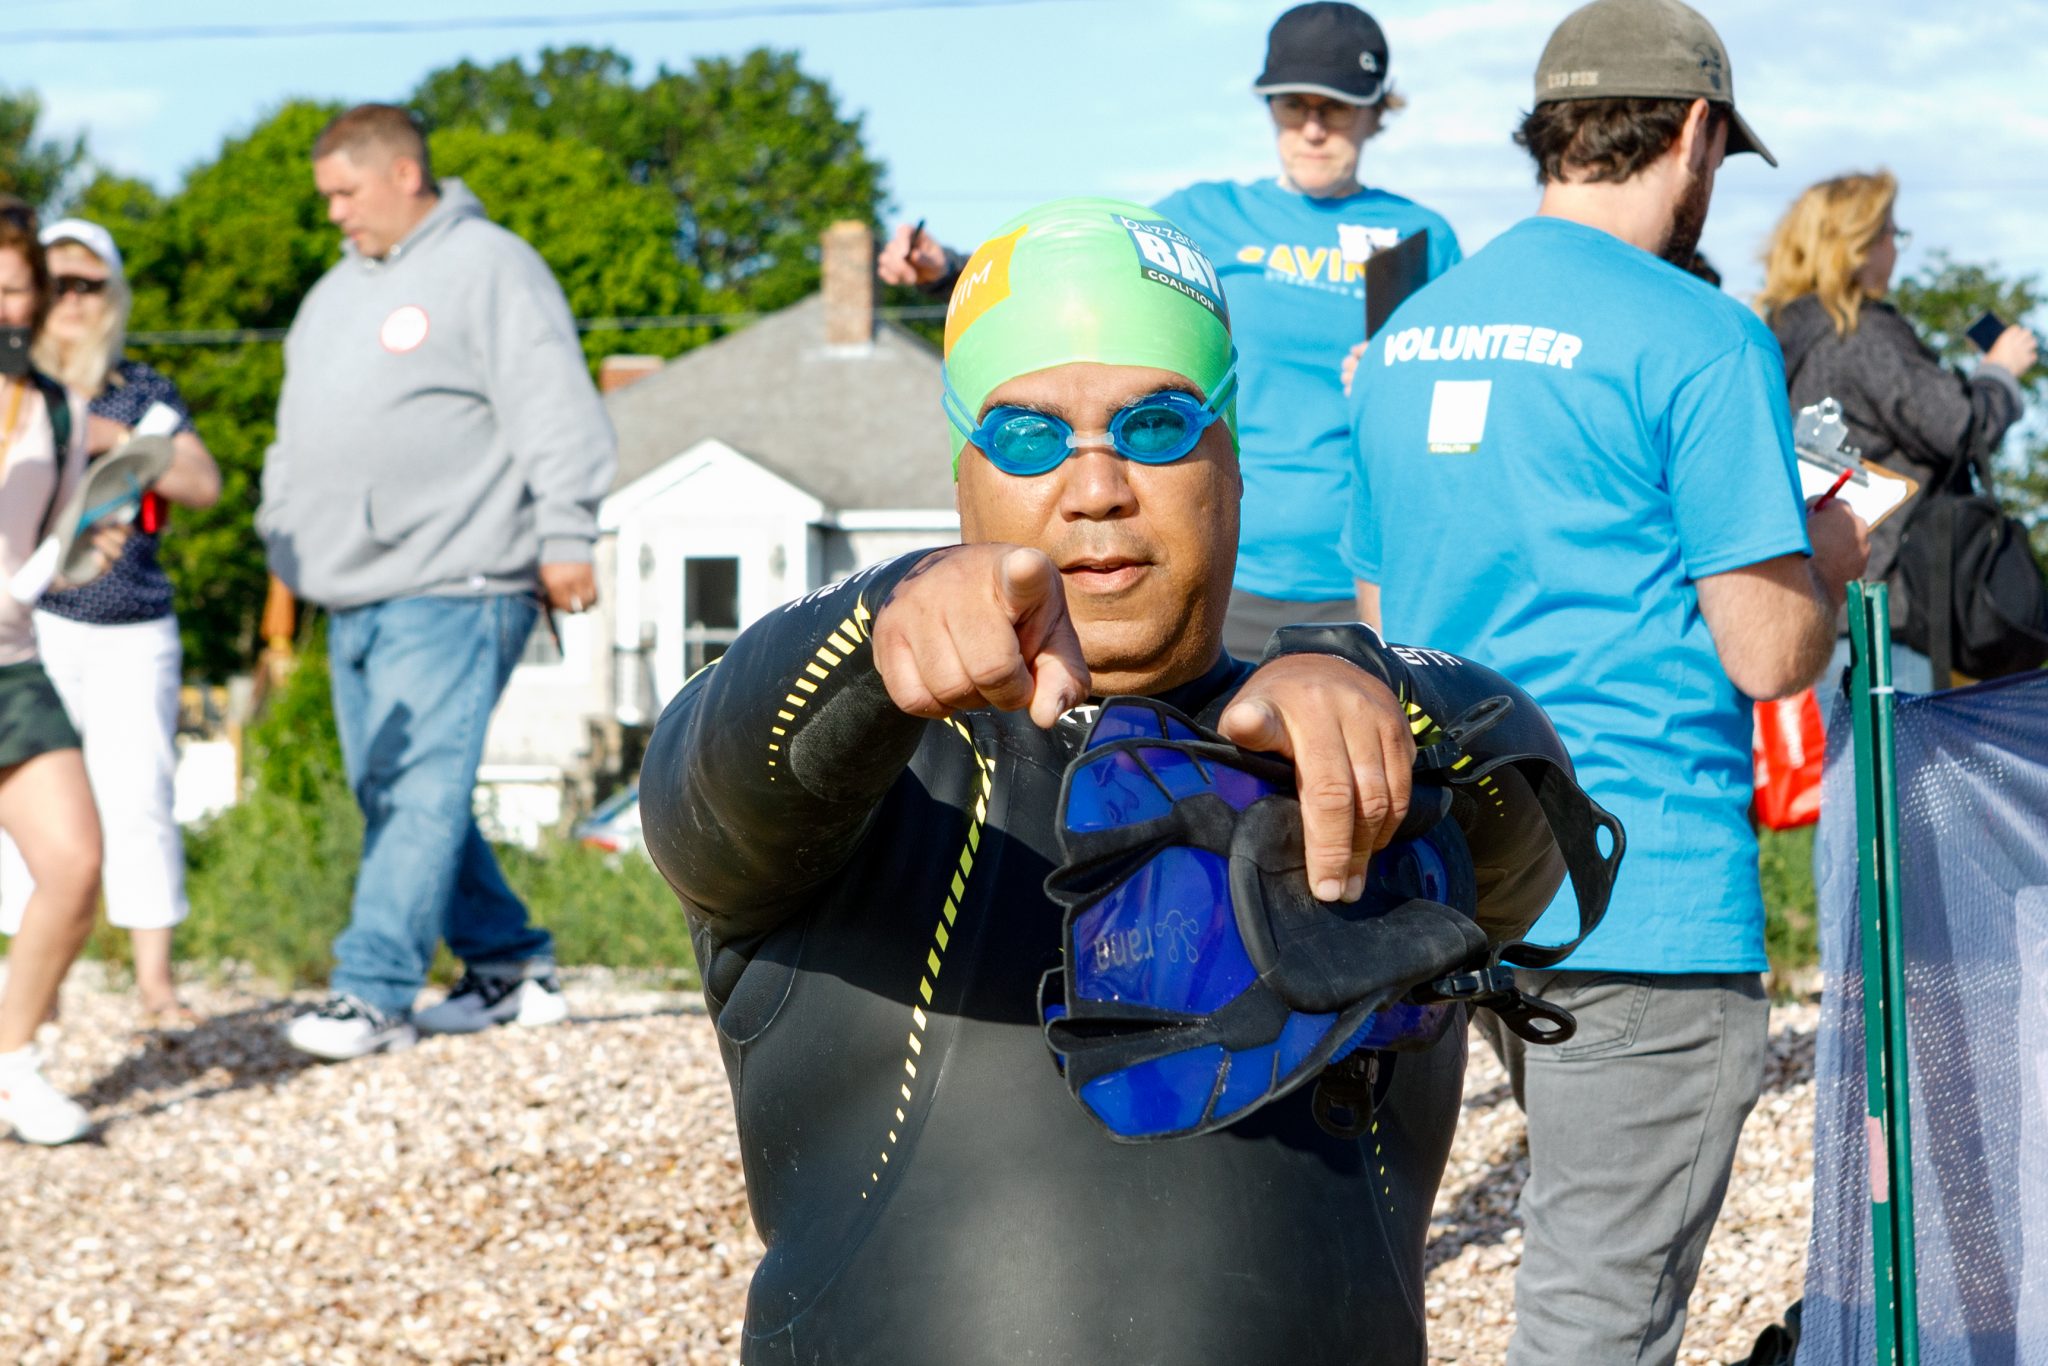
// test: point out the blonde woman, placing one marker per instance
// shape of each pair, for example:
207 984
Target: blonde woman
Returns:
45 803
1827 271
111 646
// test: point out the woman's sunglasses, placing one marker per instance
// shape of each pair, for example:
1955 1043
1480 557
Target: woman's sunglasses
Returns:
77 284
1155 430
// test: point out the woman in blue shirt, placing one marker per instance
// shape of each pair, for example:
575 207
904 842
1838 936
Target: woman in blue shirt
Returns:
1290 252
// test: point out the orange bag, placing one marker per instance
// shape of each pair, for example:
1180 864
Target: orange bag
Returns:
1789 747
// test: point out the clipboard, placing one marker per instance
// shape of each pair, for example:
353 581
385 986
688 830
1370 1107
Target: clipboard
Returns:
1391 275
1819 439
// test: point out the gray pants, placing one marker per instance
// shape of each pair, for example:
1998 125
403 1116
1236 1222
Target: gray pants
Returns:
1253 619
1632 1132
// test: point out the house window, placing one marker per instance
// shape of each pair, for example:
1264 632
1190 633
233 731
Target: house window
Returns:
711 610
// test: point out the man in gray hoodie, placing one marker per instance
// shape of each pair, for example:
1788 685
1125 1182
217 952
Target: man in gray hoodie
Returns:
434 484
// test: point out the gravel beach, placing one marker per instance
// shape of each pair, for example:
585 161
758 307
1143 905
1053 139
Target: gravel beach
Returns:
574 1194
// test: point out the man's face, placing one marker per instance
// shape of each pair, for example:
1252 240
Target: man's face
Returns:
1319 140
1689 218
373 197
1146 551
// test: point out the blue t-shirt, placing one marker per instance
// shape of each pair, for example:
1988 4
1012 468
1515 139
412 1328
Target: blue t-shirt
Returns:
1293 271
1564 436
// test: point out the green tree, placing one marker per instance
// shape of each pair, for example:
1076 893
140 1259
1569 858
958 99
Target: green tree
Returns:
609 241
37 169
1942 300
754 154
244 239
237 246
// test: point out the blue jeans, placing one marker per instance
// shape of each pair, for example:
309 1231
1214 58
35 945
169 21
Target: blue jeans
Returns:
415 680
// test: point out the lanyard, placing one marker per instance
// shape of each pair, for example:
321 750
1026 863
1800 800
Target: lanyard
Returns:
15 389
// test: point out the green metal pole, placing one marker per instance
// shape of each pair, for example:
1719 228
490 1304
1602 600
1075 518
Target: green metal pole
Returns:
1886 1064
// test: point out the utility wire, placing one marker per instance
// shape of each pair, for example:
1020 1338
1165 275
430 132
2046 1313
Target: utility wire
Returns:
340 28
242 336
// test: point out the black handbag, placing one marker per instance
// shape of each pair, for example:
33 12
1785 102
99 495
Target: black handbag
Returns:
1979 605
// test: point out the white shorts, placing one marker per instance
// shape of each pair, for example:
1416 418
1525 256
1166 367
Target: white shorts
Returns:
120 684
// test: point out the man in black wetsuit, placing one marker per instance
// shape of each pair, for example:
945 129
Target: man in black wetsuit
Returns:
857 807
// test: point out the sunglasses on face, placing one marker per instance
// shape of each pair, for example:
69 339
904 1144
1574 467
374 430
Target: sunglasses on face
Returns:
77 284
1292 111
1155 430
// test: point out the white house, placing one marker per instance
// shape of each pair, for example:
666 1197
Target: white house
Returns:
751 470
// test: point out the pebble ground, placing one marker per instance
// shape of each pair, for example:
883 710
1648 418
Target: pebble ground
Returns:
574 1194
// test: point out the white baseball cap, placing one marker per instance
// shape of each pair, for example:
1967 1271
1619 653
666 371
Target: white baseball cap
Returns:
87 234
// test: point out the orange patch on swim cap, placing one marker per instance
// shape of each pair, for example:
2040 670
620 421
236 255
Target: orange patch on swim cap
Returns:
984 283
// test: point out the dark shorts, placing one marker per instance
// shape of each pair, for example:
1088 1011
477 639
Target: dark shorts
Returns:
32 718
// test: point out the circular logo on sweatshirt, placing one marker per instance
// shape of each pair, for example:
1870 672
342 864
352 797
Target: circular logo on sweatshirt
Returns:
404 330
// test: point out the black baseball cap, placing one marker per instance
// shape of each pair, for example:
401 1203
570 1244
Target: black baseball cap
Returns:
1655 49
1328 49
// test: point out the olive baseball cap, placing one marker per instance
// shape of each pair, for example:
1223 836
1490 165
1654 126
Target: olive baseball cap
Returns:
1646 49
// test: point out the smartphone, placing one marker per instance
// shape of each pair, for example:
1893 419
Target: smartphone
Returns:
14 351
1986 331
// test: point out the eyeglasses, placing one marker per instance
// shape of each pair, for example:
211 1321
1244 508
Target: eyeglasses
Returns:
76 284
1292 111
1155 430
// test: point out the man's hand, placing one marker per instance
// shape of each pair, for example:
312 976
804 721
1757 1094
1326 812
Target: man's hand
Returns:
1353 756
910 257
1350 367
981 626
570 586
1841 547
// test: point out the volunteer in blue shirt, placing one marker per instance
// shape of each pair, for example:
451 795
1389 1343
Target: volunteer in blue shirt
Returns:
1574 463
1291 255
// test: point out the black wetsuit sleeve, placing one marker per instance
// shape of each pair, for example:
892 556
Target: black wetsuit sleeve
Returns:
763 773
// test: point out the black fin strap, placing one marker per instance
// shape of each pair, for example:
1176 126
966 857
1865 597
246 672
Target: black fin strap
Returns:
1350 1092
1494 987
1575 823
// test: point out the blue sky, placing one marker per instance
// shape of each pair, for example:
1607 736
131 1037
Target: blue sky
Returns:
978 113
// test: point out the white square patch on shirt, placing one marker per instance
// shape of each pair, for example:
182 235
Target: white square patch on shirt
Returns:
1457 416
1356 242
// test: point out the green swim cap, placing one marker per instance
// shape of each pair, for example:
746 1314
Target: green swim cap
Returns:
1085 280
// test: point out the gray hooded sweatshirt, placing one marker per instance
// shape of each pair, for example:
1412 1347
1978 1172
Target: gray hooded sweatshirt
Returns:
438 432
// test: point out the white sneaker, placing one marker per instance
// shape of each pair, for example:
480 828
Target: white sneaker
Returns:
483 999
348 1027
39 1112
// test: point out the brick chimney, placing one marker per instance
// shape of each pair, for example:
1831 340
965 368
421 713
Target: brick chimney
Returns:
849 261
616 372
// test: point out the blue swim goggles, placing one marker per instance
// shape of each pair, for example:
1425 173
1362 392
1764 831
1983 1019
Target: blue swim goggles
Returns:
1155 430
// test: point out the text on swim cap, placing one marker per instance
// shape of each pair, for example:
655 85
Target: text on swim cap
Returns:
1171 258
1490 341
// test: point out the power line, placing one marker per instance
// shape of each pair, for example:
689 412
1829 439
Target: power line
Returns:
345 28
665 322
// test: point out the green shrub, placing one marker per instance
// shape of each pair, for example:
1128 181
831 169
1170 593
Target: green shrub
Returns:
270 878
1791 926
